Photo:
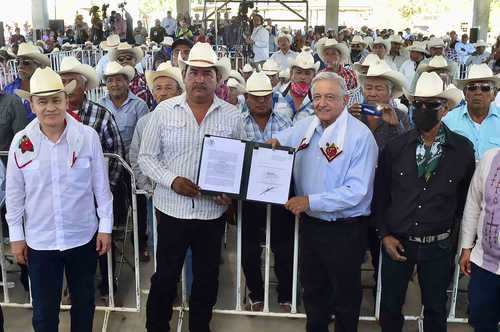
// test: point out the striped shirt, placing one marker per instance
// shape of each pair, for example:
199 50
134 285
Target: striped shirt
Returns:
275 124
171 148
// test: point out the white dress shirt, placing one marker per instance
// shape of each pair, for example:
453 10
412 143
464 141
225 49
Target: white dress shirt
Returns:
260 36
284 60
408 69
54 187
171 147
142 181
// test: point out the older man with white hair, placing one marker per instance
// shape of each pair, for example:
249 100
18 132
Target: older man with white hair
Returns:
285 55
335 55
334 171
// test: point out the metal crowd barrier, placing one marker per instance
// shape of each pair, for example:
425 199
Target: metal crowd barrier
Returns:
111 303
238 310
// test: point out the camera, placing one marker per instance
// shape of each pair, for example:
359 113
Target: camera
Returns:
243 8
122 5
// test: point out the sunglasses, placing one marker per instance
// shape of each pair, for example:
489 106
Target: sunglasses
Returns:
429 105
125 58
482 87
24 63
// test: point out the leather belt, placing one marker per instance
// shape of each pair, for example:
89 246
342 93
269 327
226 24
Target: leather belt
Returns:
430 238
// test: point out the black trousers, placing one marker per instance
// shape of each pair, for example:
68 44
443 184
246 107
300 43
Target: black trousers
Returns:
142 222
282 228
174 237
433 262
331 254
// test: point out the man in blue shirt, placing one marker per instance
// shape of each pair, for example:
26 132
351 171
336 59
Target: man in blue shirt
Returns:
479 118
334 171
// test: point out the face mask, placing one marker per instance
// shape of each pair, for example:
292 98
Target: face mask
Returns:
425 119
299 89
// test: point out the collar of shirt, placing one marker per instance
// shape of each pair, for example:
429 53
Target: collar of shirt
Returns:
182 102
414 136
305 102
493 111
123 107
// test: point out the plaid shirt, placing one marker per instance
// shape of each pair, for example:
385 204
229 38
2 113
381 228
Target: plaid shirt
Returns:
275 124
349 77
99 118
451 54
139 87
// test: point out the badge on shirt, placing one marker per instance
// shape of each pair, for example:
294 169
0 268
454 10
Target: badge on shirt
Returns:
331 151
25 144
303 144
27 151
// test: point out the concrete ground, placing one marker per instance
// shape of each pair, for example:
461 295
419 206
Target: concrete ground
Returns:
19 319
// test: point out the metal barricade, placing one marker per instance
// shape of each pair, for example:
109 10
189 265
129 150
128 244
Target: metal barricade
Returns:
111 304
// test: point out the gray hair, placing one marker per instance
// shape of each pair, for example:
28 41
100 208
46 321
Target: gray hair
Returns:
388 83
332 77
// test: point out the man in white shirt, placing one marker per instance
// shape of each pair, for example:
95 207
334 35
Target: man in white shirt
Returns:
409 67
464 48
170 24
169 155
259 41
284 56
58 183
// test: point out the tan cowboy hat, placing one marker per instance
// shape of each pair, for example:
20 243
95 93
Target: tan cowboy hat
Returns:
226 63
125 48
46 82
358 40
270 67
165 69
114 68
396 39
259 85
233 83
7 53
437 62
431 85
67 45
202 55
435 43
385 42
331 43
477 73
304 60
481 43
381 69
30 51
370 59
284 35
70 64
247 68
55 50
417 47
237 76
110 43
285 74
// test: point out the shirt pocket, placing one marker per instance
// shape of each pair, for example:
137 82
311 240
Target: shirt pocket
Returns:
219 130
495 141
31 174
79 175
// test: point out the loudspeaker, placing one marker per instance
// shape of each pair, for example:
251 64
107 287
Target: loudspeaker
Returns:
319 29
56 25
2 36
474 34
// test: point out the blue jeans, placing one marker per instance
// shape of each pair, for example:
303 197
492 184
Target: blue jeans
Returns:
46 269
484 300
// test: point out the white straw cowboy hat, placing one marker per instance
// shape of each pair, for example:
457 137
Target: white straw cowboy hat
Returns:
247 68
165 69
304 60
437 62
382 70
270 67
111 42
45 82
202 55
259 85
385 42
284 35
417 47
370 59
70 64
478 73
225 62
233 83
30 51
284 74
435 43
396 39
114 68
168 41
358 40
332 43
125 48
368 41
237 76
481 43
431 85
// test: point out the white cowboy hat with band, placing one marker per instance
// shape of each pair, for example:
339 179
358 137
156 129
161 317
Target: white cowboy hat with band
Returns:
370 59
202 55
305 60
430 85
417 47
481 43
332 43
437 62
284 35
259 85
111 42
247 68
30 51
165 69
45 82
356 40
237 76
479 73
270 67
70 64
114 68
385 42
382 70
125 48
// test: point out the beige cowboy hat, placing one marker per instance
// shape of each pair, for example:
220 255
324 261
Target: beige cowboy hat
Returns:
202 55
431 85
435 43
284 35
270 67
165 69
477 73
7 53
417 47
45 82
396 39
437 62
167 41
385 42
358 40
67 45
70 64
237 76
125 48
247 68
370 59
304 60
226 63
114 68
258 84
368 41
55 50
481 43
381 69
110 43
233 83
30 51
284 74
331 43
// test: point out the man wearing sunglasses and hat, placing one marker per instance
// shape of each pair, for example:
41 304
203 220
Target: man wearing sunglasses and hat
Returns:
479 118
59 205
420 191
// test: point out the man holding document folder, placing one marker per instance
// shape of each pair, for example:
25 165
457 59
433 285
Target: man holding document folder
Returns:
333 173
170 155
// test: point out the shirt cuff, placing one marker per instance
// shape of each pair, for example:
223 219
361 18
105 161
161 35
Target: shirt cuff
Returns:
16 233
315 203
105 225
467 243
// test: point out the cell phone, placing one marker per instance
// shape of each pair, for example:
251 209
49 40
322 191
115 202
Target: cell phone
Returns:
373 110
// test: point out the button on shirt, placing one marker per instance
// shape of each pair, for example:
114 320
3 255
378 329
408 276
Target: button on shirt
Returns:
275 124
343 187
126 116
56 199
284 60
485 136
171 147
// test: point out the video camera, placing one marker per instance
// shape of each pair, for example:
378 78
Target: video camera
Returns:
243 8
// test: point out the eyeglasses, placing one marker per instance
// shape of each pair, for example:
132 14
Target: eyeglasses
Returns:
125 58
429 105
25 63
479 86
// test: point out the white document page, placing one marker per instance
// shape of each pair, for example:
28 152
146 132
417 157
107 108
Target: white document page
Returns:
221 165
270 176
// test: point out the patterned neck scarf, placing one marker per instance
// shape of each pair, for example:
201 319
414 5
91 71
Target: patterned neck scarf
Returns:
428 157
299 89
